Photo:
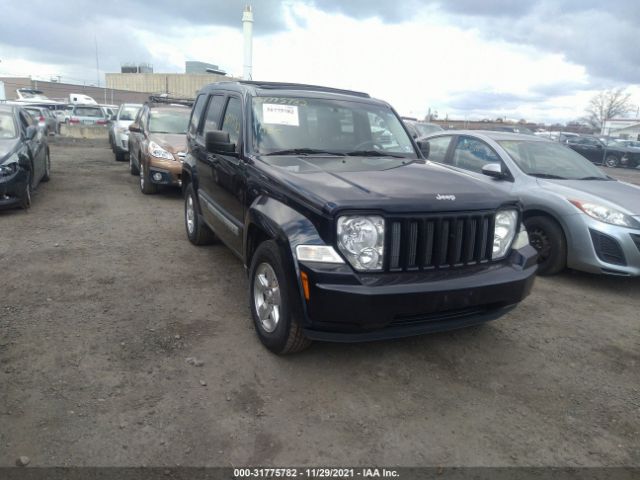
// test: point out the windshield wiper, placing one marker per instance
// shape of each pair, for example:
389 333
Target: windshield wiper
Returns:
372 153
548 175
594 178
305 151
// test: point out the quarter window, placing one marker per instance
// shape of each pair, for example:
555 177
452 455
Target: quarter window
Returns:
473 154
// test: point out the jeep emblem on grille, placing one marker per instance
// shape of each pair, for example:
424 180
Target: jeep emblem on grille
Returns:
446 197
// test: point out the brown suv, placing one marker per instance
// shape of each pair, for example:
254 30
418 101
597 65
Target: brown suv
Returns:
158 142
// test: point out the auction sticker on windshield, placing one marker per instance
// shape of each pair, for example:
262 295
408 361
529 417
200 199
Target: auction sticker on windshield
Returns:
280 114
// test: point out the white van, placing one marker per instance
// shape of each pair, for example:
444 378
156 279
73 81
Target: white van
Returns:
80 99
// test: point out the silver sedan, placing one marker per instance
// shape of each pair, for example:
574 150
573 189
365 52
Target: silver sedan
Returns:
576 216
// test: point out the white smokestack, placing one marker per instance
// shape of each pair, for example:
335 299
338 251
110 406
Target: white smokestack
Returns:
247 29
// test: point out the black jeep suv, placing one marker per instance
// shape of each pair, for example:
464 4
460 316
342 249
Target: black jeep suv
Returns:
346 232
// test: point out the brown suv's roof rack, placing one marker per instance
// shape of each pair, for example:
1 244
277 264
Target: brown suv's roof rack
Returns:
163 98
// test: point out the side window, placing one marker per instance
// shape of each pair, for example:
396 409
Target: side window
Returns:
438 148
233 119
212 118
472 154
196 113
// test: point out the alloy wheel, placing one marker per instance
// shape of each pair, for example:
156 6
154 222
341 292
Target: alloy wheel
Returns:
191 215
266 297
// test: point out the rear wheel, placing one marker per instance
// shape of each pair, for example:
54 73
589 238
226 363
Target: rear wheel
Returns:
275 304
611 161
547 237
197 232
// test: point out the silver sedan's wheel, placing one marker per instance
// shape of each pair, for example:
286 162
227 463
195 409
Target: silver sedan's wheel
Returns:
266 296
141 176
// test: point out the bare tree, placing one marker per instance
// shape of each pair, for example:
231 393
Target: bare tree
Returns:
606 105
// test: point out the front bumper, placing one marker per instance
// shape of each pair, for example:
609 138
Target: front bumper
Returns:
121 142
344 306
597 247
169 172
12 188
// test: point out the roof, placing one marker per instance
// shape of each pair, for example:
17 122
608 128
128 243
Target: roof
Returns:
268 88
492 134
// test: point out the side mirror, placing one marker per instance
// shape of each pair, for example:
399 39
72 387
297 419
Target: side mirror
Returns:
217 141
135 128
114 118
493 170
425 148
31 132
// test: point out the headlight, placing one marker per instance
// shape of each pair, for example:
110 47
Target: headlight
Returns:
157 151
605 214
504 232
9 167
361 241
122 130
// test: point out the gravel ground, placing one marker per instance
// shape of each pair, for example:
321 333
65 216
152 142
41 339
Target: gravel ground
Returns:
104 299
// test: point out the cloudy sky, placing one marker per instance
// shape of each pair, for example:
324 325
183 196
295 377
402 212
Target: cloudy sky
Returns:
536 59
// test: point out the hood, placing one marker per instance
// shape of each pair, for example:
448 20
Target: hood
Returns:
388 184
612 192
7 147
172 143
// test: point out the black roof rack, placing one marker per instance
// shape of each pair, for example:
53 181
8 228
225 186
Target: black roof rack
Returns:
164 98
301 86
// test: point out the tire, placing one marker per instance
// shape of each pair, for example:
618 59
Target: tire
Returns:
198 232
25 198
146 186
612 161
119 155
132 166
547 237
47 169
274 301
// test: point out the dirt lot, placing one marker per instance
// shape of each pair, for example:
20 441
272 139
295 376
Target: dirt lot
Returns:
103 299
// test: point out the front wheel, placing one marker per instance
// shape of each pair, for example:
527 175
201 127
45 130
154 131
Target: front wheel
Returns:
197 232
119 155
547 237
275 304
132 166
47 169
146 186
612 161
25 198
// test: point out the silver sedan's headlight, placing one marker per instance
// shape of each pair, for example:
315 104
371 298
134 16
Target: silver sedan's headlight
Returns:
361 241
504 232
605 214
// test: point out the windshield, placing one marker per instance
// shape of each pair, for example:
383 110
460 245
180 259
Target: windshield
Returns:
129 113
551 160
169 121
426 129
313 125
7 125
88 112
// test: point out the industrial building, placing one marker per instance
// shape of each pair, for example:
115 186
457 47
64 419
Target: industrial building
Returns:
60 91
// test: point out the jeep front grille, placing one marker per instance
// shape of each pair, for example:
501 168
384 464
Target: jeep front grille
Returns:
439 241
